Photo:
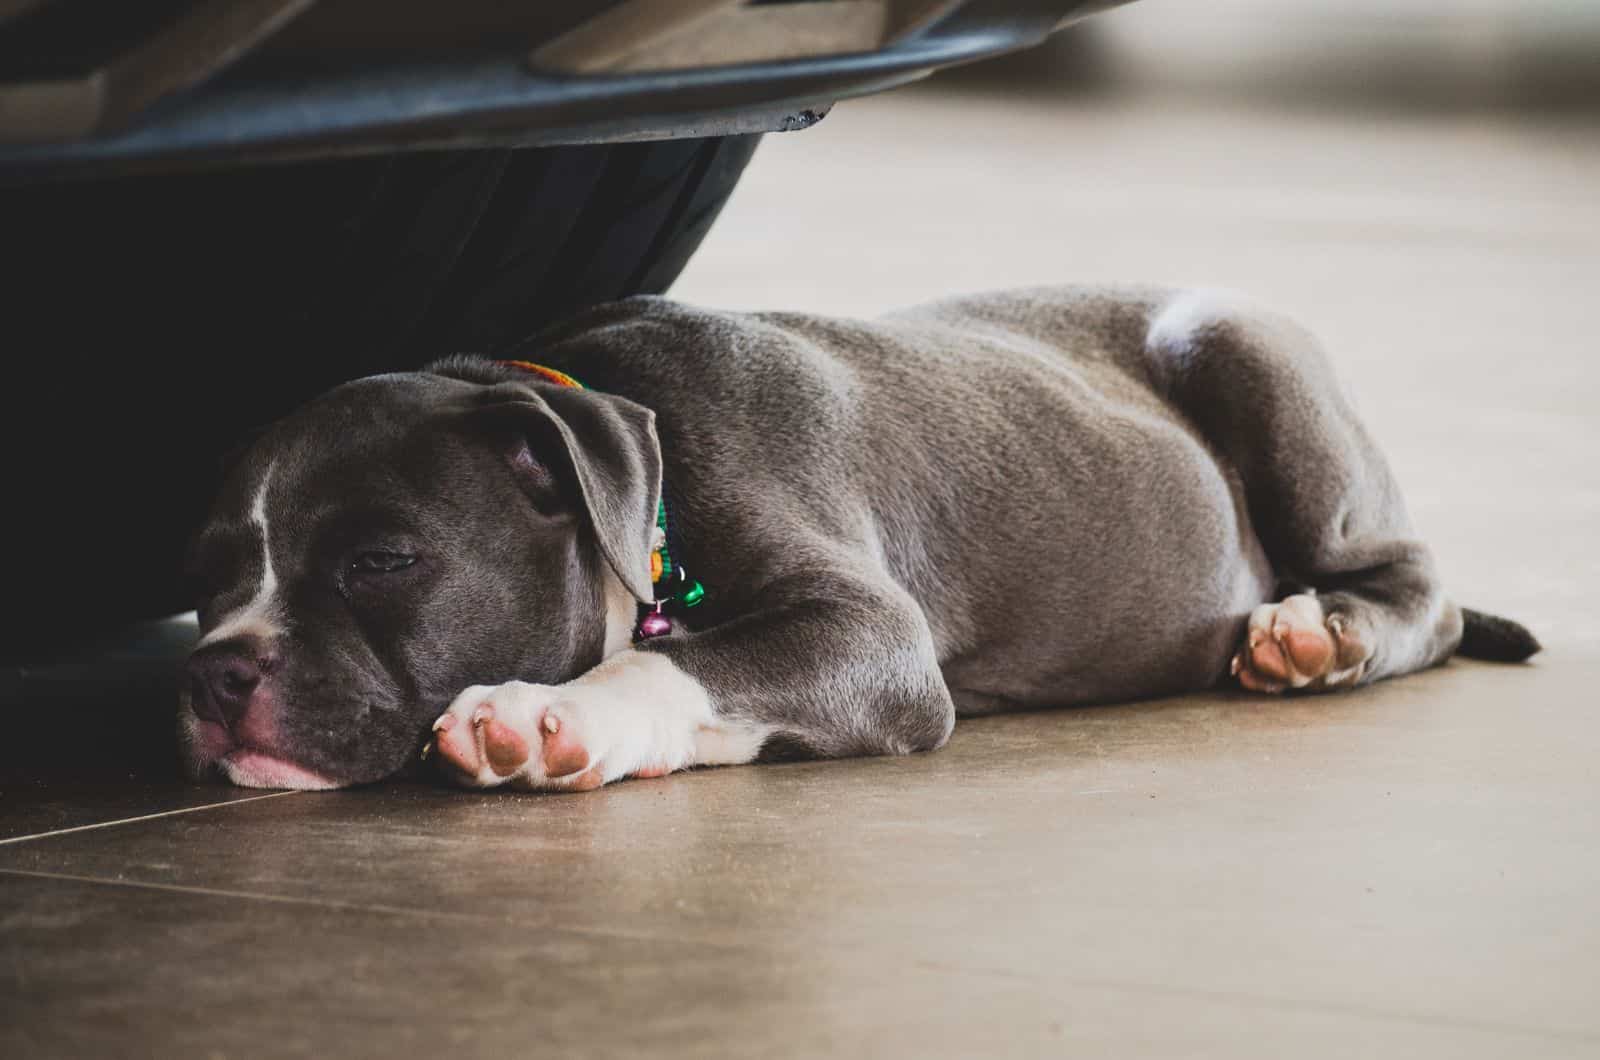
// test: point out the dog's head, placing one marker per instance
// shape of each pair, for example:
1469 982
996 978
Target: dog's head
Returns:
397 540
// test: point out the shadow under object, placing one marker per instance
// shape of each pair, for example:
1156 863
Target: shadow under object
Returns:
155 321
101 711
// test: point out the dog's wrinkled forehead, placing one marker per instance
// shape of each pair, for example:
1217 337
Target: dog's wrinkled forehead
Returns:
359 419
357 432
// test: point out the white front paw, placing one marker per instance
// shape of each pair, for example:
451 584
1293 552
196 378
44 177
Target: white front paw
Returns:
530 736
634 715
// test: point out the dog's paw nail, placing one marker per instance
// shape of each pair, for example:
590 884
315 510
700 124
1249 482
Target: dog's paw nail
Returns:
1233 667
483 714
445 723
552 724
1256 637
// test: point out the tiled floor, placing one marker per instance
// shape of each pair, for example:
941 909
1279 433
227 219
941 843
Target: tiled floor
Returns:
1409 870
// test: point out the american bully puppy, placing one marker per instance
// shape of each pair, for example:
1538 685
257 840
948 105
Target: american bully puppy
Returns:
752 533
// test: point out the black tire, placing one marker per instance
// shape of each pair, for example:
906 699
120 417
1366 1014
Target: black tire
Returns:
151 323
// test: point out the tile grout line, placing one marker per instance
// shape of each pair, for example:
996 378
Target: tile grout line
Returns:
142 817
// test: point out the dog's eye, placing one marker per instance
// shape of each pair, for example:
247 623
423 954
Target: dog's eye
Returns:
381 562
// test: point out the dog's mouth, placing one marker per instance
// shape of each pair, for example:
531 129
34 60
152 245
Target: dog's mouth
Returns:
210 751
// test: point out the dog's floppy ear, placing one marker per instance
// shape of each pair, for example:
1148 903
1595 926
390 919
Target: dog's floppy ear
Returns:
609 444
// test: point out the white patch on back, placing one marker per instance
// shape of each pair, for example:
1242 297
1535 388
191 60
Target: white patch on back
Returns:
1173 328
258 618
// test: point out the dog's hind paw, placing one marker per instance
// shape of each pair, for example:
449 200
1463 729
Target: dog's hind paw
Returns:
1293 645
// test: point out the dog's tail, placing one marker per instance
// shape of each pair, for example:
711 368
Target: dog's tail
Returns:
1485 636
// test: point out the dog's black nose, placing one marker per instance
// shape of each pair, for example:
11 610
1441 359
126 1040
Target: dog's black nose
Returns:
223 676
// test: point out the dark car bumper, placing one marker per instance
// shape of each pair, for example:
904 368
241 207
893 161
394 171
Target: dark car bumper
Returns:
254 110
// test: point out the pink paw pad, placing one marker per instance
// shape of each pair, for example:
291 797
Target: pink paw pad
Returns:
585 781
1310 651
486 739
563 754
503 746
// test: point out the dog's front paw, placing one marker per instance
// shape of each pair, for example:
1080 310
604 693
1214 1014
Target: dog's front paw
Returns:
1292 644
529 736
572 737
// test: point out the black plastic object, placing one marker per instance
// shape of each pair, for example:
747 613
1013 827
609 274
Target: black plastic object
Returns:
151 323
265 109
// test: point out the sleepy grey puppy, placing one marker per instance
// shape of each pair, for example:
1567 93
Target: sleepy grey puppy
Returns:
1027 499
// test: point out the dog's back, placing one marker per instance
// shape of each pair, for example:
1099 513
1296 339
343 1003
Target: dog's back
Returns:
1005 458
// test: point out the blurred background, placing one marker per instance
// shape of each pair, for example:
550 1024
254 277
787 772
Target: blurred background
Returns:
1388 116
1417 53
